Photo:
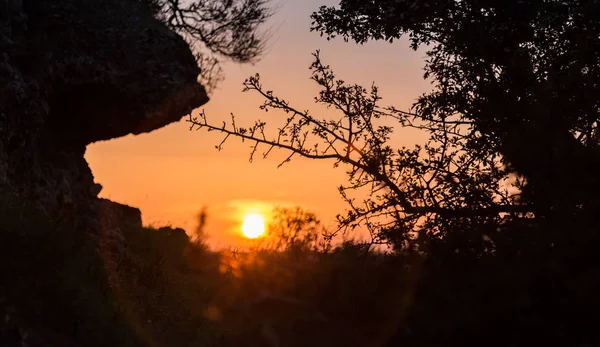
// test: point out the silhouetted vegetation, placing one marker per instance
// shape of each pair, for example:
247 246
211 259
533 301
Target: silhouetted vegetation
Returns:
216 30
490 225
164 290
61 289
499 204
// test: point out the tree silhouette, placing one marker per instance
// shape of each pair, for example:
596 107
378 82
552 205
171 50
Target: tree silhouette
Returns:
216 30
513 119
523 75
420 189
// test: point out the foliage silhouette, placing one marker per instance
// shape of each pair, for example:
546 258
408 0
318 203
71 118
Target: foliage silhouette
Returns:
410 190
513 120
216 30
495 214
521 76
295 230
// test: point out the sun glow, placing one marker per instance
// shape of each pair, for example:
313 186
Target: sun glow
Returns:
253 226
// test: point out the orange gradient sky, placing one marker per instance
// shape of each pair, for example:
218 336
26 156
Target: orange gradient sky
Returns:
171 173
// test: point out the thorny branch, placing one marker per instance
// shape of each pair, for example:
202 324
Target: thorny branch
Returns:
408 189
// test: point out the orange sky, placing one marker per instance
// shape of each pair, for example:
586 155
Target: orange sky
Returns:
172 172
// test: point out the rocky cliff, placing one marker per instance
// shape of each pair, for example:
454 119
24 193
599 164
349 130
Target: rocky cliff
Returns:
73 72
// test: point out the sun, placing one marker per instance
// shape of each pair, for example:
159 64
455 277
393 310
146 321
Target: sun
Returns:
253 226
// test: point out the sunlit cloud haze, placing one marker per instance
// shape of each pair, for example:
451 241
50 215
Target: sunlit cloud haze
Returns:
171 173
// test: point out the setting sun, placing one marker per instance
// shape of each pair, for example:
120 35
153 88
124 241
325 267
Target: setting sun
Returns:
253 226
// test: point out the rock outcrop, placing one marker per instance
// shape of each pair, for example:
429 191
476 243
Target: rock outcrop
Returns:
73 72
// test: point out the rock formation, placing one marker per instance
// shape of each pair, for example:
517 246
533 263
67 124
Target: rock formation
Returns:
73 72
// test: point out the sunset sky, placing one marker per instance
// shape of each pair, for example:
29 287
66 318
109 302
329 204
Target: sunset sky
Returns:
171 173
